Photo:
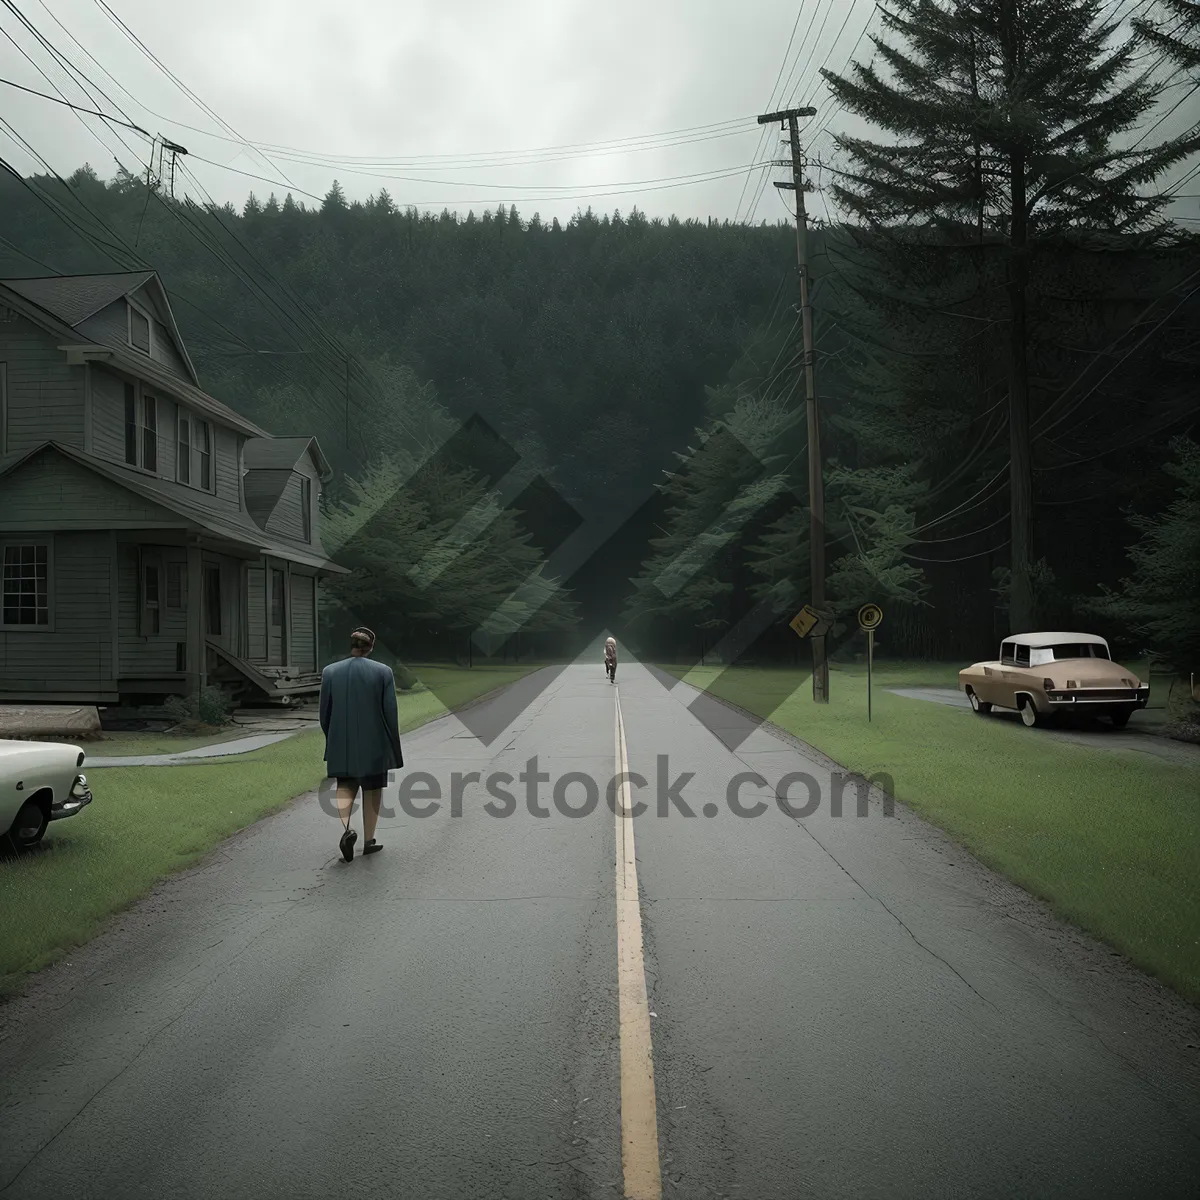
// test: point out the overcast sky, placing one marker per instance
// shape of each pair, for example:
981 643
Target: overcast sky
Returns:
443 98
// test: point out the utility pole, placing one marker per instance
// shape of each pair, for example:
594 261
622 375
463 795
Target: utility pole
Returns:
816 486
175 150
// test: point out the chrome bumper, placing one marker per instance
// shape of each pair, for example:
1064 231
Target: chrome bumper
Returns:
80 797
1135 698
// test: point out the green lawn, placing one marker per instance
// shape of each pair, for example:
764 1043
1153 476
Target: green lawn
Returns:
1111 839
441 687
147 822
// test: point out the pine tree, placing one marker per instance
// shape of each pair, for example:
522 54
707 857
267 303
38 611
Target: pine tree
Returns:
335 199
1175 32
1160 603
1005 113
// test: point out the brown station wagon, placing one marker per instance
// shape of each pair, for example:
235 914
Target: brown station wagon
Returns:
1040 674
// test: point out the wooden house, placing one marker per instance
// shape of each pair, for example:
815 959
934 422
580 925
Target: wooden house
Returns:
152 540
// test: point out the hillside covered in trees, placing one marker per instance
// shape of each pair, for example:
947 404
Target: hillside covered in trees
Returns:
1005 323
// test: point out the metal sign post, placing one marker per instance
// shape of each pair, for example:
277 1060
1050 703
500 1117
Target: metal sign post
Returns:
869 617
870 663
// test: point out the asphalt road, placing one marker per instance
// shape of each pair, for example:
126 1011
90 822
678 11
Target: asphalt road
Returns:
840 1006
1097 734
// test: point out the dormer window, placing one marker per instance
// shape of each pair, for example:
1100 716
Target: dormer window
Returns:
139 329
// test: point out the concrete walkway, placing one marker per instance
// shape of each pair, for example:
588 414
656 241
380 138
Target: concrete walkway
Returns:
1101 737
217 750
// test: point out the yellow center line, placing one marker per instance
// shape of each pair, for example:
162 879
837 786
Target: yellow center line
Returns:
639 1119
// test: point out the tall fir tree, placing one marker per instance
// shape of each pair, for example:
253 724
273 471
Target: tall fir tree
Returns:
1174 29
1007 118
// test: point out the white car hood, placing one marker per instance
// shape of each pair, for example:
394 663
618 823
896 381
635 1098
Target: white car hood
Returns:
13 753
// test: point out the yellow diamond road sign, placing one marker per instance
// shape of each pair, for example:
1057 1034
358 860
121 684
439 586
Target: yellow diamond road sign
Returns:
804 621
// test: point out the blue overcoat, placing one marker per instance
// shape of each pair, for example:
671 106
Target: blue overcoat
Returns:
358 715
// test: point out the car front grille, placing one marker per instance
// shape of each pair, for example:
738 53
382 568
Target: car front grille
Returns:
1105 694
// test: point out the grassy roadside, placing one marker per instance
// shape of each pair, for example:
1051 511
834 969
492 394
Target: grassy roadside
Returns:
1110 839
148 822
441 688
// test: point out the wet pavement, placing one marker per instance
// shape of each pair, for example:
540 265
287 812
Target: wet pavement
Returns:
1099 736
841 1005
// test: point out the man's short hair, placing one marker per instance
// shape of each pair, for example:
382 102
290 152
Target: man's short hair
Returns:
362 639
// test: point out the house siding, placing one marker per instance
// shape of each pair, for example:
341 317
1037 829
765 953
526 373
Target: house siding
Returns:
147 656
50 491
163 350
108 416
108 327
287 520
304 651
76 655
108 442
261 490
228 471
44 395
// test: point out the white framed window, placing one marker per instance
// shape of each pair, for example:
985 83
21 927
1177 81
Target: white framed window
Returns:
194 450
141 429
306 507
139 328
27 584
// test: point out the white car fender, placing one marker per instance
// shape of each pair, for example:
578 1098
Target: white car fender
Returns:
27 768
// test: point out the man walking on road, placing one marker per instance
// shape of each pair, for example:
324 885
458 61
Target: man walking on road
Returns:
610 659
362 735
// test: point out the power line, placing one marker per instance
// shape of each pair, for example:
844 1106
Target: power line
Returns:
964 558
91 112
765 133
619 188
204 108
812 49
1046 429
483 161
318 333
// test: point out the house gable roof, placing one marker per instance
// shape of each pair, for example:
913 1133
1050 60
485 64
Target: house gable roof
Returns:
42 490
129 361
233 527
283 453
72 299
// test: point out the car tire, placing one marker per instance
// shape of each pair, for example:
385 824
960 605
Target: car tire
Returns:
1120 719
980 706
29 827
1029 713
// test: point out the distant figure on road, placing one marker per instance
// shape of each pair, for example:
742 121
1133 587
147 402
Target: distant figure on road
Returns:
610 659
362 735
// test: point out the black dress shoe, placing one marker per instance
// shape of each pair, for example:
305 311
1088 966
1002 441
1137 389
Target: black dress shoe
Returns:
347 844
372 847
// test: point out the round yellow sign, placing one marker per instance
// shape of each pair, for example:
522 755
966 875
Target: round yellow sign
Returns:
869 616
